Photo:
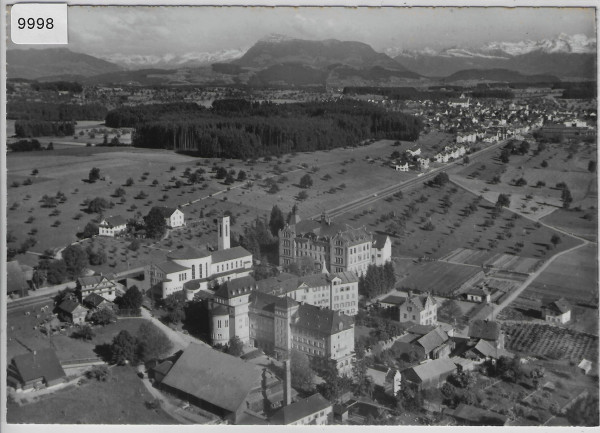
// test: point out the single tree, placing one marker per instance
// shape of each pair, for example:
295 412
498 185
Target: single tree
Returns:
567 198
152 342
76 259
132 299
129 182
277 221
592 166
302 374
306 181
555 239
90 230
503 201
441 179
156 226
99 205
85 333
235 347
123 348
94 174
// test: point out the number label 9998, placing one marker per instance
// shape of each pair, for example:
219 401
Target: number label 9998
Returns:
39 23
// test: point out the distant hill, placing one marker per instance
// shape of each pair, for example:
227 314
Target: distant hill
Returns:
38 63
501 75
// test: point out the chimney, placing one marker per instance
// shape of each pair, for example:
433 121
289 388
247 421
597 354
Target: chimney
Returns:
287 383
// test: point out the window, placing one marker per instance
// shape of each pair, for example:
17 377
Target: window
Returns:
193 272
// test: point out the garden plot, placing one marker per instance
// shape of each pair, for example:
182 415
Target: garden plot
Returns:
507 262
438 277
550 341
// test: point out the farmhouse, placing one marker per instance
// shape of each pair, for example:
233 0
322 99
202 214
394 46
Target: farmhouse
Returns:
94 301
194 270
219 383
558 311
35 369
420 309
477 294
313 410
488 331
401 167
70 311
103 285
112 226
173 217
431 374
337 247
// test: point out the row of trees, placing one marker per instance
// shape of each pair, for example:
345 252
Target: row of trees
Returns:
148 343
377 280
38 128
25 146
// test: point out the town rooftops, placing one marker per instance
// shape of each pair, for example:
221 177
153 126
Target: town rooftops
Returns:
236 287
215 377
169 267
114 221
285 283
188 253
421 329
560 306
229 254
321 320
430 370
166 212
484 329
37 364
327 229
300 409
92 280
489 351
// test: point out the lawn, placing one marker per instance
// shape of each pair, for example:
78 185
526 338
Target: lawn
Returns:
120 400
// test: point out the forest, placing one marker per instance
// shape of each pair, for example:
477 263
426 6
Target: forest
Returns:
240 129
39 128
27 110
404 93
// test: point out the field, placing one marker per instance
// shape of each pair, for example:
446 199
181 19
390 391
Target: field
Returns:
507 262
22 335
582 223
550 341
438 277
119 400
573 275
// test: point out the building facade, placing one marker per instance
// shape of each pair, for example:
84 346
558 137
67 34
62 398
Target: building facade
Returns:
112 226
419 309
338 247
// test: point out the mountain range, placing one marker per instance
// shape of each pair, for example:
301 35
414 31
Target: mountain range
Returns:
279 60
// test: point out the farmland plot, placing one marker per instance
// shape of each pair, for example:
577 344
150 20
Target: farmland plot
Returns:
438 277
507 262
550 341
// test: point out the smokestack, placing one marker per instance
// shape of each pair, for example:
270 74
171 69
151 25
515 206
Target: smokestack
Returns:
287 385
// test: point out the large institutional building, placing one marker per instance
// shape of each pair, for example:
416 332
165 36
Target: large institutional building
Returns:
249 310
338 247
193 269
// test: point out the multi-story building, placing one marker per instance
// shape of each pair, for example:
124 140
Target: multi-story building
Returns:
337 247
112 226
102 285
419 309
336 291
173 217
192 269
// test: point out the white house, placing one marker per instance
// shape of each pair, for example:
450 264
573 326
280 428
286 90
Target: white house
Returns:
112 226
419 309
403 167
100 285
382 250
558 311
173 216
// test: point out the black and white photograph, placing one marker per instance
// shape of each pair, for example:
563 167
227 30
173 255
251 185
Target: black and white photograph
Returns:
349 216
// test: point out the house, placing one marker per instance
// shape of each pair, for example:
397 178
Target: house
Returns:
431 374
94 301
102 285
16 280
381 253
35 369
173 217
70 311
477 294
486 330
401 167
313 410
558 311
389 379
112 226
420 309
585 366
483 350
471 415
436 344
219 383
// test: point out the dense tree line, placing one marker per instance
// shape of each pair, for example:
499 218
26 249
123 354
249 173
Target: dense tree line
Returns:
403 93
58 86
493 93
238 129
38 128
377 281
25 146
26 110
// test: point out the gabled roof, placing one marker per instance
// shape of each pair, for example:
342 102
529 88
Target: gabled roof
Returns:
393 299
169 267
92 280
321 320
421 329
166 212
300 409
229 254
379 240
430 370
188 253
40 363
94 299
215 377
560 306
487 350
433 340
485 329
236 287
69 306
114 221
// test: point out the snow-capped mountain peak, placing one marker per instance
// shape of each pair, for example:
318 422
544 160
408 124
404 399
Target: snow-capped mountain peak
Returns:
140 61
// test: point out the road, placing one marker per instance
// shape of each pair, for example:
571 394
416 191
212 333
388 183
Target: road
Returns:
393 189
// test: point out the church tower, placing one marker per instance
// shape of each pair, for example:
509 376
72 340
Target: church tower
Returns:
224 235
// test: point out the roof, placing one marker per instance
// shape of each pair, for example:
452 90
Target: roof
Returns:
188 253
478 416
169 267
215 377
69 306
15 278
487 350
324 229
379 240
486 329
560 306
284 283
421 300
430 369
166 212
321 320
300 409
421 329
393 299
236 287
92 280
40 363
115 221
164 367
379 375
433 340
94 300
229 254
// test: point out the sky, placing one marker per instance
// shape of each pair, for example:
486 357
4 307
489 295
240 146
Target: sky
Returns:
103 30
